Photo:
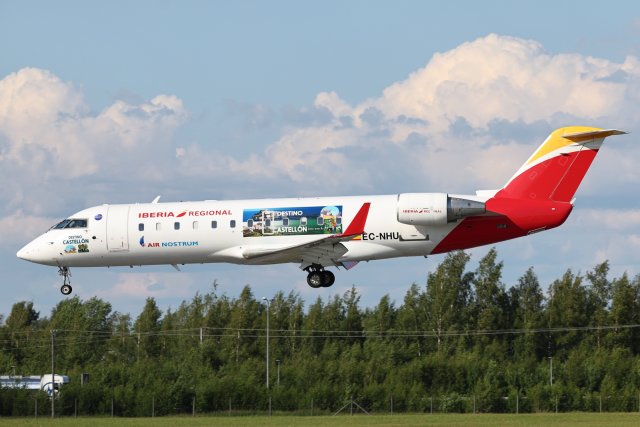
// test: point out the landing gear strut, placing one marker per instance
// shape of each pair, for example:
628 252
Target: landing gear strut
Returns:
66 283
319 277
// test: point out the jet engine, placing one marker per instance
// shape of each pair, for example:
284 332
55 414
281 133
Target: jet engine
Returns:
435 208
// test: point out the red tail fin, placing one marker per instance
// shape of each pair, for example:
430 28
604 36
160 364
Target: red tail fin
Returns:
556 169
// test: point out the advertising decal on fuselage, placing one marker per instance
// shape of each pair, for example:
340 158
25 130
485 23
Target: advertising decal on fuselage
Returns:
292 221
75 245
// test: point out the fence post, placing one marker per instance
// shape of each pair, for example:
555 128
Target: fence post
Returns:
312 406
36 408
556 404
229 406
112 407
153 406
193 407
600 403
517 402
269 405
431 405
75 408
391 405
474 403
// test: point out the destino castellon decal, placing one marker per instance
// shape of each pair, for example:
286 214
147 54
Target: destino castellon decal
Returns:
292 221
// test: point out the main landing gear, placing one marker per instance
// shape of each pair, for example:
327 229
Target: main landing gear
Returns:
66 283
319 277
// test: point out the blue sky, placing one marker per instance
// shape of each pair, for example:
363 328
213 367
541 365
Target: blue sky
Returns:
118 102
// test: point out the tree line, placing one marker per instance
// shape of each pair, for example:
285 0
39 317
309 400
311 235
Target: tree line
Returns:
463 338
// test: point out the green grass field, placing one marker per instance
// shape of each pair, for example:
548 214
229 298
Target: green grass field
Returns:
566 419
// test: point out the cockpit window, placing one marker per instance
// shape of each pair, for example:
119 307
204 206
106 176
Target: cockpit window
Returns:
71 223
77 223
61 224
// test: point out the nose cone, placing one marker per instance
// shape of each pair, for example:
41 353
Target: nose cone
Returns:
24 253
37 251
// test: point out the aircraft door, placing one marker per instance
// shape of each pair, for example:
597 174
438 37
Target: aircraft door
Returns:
118 228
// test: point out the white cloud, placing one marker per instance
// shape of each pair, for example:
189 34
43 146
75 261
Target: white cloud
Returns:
157 285
40 112
50 140
618 220
19 228
438 127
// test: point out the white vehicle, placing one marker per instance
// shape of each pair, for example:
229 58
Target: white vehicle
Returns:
35 382
323 232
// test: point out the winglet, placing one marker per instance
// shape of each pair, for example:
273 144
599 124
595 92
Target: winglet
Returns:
357 224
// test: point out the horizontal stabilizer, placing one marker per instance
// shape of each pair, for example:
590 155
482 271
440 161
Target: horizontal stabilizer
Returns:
587 136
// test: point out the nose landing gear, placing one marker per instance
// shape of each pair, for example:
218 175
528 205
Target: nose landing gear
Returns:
319 277
66 288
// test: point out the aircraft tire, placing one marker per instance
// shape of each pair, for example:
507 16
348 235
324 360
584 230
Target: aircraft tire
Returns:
328 279
315 279
66 289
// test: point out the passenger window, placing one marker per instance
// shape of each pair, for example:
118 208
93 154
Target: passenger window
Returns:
232 223
285 221
195 225
339 220
176 226
214 224
267 223
141 227
249 223
303 220
158 226
320 220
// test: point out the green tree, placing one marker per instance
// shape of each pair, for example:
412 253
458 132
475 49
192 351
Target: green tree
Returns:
147 327
447 297
527 302
625 310
568 307
600 298
82 330
491 307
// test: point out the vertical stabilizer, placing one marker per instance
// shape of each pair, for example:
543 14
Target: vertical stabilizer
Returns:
557 167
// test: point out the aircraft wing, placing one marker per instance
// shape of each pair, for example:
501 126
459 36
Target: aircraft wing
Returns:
324 251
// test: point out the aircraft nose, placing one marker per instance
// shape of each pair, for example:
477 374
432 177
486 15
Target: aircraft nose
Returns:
38 251
27 253
24 253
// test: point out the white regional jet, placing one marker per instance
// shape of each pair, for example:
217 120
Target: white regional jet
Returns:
320 232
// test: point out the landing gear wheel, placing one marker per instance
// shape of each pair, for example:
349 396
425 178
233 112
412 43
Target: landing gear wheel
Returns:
315 279
328 278
66 282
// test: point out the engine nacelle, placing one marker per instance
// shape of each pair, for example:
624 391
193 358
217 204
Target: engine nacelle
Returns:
435 208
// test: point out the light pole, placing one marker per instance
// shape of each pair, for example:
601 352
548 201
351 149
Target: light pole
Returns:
550 370
53 374
268 309
278 364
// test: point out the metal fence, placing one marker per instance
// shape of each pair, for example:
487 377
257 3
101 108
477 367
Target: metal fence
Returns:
23 403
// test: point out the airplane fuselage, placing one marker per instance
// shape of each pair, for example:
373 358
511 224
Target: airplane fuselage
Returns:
223 231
